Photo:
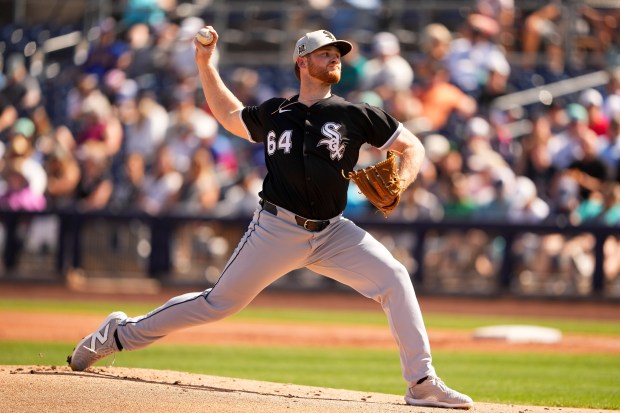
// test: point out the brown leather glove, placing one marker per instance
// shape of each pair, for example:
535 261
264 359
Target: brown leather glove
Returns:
380 183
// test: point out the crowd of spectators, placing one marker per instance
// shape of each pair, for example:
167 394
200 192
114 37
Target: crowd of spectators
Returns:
133 131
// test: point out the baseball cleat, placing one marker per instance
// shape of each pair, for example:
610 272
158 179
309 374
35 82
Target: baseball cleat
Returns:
432 392
97 345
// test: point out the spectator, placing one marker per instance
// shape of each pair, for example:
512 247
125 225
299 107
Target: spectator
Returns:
459 204
21 90
565 145
503 12
478 136
22 186
611 105
105 51
85 85
610 154
440 100
165 79
183 142
139 60
18 194
470 54
127 193
63 176
558 116
404 106
200 191
245 84
186 112
418 203
448 165
98 123
435 44
118 88
526 206
590 209
240 199
95 186
387 71
492 189
564 198
8 116
422 201
146 123
228 157
610 214
161 186
46 135
535 161
496 84
588 170
147 12
599 34
542 24
25 127
19 149
592 100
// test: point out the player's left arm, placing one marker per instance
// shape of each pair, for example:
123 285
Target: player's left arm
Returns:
411 152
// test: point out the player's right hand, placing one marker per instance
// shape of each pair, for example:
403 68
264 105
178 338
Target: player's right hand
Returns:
203 53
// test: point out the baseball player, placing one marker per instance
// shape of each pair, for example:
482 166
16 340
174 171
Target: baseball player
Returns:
309 140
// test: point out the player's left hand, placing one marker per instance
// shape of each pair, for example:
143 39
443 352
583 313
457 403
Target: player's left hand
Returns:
380 183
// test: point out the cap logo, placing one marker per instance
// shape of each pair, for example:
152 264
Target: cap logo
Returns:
301 49
329 35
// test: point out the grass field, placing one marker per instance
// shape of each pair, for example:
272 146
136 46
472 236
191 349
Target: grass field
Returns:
377 318
549 379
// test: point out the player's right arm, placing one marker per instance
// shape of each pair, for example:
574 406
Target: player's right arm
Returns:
222 102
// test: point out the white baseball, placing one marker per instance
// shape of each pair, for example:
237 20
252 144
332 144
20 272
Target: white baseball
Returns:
204 36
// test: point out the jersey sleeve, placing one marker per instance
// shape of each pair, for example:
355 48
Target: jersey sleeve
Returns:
250 117
382 128
253 118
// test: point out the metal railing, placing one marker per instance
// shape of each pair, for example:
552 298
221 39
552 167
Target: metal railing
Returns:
442 257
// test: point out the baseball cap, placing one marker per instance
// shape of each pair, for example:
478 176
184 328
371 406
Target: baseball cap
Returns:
386 43
478 126
576 112
24 126
591 97
317 39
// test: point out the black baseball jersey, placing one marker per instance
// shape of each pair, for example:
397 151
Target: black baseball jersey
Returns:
309 148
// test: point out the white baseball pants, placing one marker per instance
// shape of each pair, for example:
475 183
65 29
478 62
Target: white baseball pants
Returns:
275 245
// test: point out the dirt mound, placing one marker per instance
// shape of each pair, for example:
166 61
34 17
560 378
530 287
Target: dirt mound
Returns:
113 389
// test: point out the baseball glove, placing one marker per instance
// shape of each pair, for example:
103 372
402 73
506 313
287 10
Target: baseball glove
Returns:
380 183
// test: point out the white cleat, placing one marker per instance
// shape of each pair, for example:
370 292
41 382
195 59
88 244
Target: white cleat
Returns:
433 392
97 345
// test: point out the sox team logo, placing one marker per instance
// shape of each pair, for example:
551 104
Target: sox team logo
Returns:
329 35
333 140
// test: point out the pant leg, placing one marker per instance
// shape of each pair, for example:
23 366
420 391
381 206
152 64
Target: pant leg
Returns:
353 257
270 248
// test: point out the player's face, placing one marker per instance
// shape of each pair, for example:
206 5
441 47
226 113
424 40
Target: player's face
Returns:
324 64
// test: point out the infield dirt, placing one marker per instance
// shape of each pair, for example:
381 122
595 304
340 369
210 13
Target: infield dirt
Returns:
113 389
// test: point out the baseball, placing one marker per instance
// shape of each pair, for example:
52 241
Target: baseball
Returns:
204 36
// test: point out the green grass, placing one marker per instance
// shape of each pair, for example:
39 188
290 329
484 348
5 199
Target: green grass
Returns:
549 379
371 318
586 381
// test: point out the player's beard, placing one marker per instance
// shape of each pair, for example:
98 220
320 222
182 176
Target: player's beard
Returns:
324 74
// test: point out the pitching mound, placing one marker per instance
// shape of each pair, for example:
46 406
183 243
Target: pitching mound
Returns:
113 389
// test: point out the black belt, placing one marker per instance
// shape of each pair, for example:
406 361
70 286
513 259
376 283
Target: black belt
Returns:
312 225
